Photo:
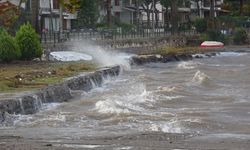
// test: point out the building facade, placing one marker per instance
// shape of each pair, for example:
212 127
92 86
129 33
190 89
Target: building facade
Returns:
49 16
204 8
125 11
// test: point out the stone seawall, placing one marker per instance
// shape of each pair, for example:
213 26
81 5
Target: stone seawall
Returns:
31 103
140 60
143 59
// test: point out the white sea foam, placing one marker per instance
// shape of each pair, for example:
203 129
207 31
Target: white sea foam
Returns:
168 127
200 78
102 56
187 65
109 106
231 54
167 89
171 128
78 146
129 102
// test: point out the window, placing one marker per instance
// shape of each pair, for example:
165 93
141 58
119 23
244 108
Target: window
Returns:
55 4
117 15
117 2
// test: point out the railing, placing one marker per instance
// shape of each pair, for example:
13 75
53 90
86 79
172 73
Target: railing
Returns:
108 34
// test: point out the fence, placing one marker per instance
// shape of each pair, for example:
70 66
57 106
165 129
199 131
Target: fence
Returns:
108 34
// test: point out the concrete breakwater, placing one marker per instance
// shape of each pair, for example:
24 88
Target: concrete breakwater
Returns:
62 92
142 59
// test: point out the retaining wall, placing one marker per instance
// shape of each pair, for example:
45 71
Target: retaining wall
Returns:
31 103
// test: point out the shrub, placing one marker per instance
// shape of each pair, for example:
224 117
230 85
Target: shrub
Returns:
200 25
9 49
240 36
126 27
215 35
29 43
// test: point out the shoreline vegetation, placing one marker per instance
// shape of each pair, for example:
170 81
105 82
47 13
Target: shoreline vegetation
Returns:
24 76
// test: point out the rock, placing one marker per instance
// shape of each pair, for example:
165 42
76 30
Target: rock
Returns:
31 103
2 116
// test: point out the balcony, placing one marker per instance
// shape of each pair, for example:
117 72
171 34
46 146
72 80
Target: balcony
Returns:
48 10
117 8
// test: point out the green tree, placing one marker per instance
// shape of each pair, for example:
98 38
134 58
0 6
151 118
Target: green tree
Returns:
240 36
147 8
88 13
200 25
237 7
9 49
174 4
28 42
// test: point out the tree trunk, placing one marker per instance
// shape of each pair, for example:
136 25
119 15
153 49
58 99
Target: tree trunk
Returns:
212 14
109 13
148 19
241 7
157 19
34 14
198 8
61 17
212 11
166 19
174 16
137 15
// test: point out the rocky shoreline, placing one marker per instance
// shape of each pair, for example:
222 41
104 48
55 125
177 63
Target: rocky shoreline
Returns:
143 59
62 92
31 103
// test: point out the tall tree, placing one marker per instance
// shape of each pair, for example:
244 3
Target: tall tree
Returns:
109 15
34 14
236 6
212 9
147 7
166 4
174 16
70 6
174 13
241 7
212 14
88 13
198 7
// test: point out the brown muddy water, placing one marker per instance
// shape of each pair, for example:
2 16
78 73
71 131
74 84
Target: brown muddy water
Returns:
208 99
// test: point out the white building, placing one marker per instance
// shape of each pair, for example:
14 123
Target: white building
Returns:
126 11
49 16
205 7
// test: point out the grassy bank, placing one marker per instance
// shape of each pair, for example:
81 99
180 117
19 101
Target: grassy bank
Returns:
26 76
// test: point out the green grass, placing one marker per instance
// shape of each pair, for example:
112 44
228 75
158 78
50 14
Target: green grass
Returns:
26 76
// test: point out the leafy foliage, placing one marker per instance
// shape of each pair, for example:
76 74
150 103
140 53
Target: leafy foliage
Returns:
88 13
9 49
240 36
200 25
70 5
28 42
215 35
9 13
